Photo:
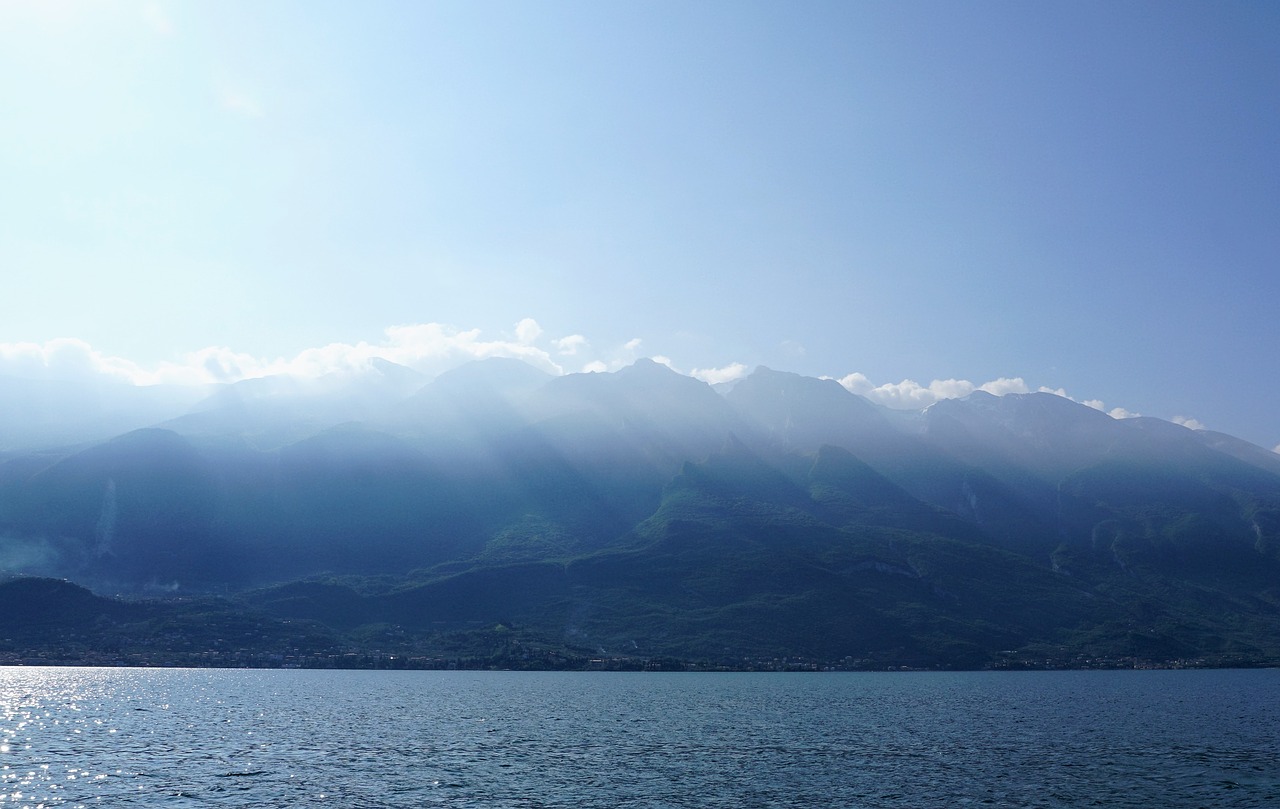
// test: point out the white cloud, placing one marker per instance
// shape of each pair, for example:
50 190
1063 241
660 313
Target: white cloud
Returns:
1098 404
528 330
612 359
571 344
911 395
1276 449
1004 385
435 347
713 376
938 388
427 347
857 383
63 358
214 364
952 388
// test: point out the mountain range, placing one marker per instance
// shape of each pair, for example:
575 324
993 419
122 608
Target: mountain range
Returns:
644 513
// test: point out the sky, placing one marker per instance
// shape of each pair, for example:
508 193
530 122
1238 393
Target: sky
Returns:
916 198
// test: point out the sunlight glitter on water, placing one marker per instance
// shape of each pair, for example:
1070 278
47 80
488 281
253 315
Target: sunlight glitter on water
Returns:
48 718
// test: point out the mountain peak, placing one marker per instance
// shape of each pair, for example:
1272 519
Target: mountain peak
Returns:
804 411
505 374
648 368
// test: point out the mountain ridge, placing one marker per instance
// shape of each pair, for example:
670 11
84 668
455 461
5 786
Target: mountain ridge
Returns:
645 510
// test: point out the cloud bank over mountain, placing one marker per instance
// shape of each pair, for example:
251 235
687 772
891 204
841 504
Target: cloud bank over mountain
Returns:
432 348
427 347
911 395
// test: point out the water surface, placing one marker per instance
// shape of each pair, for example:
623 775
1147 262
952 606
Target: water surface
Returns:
220 737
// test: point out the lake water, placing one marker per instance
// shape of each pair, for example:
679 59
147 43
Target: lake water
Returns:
201 737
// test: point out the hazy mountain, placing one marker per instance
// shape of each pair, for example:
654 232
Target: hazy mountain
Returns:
472 403
644 510
36 413
275 410
804 413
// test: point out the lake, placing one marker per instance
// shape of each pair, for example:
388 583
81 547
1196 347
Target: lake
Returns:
220 737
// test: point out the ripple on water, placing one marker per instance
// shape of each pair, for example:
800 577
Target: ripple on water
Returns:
131 737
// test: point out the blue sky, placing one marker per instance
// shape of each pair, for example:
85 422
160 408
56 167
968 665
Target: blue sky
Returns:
1081 196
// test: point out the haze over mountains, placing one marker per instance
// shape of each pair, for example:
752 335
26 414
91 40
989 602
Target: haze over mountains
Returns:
647 512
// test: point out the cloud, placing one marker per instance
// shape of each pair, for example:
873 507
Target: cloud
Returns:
857 383
528 330
911 395
1004 385
1098 404
571 344
607 360
215 364
937 389
65 359
433 348
427 347
714 376
907 394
